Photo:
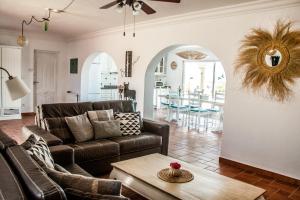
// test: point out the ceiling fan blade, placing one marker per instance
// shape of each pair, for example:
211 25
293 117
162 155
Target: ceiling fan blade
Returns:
147 9
110 4
170 1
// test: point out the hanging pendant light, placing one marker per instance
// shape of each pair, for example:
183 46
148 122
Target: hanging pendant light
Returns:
46 24
22 41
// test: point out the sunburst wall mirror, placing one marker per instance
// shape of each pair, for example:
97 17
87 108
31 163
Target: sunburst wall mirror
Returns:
271 59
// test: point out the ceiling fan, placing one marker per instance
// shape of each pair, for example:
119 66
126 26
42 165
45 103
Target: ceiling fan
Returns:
136 5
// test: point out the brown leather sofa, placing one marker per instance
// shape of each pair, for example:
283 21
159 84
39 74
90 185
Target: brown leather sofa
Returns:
96 156
22 178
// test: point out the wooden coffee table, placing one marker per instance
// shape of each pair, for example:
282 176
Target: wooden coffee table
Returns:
140 175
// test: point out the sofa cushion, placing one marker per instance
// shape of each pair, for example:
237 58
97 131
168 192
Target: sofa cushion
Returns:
136 143
80 127
64 109
129 123
59 127
101 115
106 129
116 105
9 185
95 150
62 154
76 169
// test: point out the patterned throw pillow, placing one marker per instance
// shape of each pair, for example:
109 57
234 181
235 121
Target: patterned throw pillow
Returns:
101 115
37 147
129 123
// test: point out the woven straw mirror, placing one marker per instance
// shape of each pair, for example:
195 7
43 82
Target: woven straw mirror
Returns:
271 59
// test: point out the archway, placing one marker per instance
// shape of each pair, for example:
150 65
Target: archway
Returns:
99 78
150 79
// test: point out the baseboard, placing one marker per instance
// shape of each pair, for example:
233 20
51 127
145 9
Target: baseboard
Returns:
28 114
259 171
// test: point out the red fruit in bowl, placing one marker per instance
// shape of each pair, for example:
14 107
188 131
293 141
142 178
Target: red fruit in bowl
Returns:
175 165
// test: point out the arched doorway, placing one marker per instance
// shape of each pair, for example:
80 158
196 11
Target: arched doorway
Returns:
99 78
176 69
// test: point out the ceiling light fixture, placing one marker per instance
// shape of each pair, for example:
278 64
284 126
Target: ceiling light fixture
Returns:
136 5
22 40
119 8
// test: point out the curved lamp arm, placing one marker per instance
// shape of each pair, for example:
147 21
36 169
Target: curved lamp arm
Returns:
9 76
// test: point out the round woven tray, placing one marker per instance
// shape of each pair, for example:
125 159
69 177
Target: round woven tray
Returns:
164 175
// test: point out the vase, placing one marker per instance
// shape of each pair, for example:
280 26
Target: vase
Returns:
174 172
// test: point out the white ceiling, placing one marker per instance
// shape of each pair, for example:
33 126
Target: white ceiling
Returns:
85 17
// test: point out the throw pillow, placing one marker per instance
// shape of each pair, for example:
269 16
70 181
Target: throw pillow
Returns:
80 127
85 184
80 195
107 129
38 149
101 115
129 123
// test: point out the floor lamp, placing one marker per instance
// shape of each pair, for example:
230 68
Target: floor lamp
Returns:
16 87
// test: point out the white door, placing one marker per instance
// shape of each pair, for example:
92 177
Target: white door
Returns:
45 77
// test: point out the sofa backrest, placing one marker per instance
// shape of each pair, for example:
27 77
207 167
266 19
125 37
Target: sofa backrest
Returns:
6 141
35 182
64 109
10 187
116 105
60 110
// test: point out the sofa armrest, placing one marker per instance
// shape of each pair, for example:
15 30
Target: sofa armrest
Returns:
62 154
48 137
158 128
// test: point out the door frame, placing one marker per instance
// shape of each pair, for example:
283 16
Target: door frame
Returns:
35 72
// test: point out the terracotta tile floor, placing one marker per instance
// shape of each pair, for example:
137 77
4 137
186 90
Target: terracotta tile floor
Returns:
201 149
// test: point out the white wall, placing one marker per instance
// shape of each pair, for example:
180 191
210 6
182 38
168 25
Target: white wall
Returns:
174 77
39 41
258 131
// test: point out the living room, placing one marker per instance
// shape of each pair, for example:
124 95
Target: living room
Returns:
259 141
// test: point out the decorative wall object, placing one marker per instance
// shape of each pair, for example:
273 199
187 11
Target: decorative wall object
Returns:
173 65
271 59
128 64
191 55
73 65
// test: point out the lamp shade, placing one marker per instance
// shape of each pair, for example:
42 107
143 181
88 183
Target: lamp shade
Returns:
17 88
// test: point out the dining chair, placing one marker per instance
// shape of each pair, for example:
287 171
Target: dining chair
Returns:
216 111
196 112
